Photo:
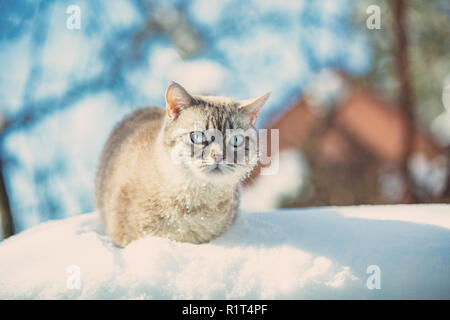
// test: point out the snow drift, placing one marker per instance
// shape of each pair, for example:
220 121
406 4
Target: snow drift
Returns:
321 253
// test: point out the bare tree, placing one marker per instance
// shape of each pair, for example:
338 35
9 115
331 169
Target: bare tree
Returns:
5 208
405 97
118 61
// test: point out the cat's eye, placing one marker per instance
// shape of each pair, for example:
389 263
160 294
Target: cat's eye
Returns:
237 140
198 137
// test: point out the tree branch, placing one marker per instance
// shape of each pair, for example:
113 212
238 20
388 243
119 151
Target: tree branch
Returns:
405 97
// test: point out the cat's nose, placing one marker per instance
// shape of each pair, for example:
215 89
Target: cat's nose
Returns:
218 157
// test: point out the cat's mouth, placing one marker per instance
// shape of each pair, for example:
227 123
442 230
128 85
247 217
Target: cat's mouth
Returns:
216 170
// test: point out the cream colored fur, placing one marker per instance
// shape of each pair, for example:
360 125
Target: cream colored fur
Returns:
139 190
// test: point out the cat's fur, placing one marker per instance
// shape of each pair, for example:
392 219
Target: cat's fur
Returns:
140 190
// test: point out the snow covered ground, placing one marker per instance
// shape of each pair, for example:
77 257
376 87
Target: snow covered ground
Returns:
321 253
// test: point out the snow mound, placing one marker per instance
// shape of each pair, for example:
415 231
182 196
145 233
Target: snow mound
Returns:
320 253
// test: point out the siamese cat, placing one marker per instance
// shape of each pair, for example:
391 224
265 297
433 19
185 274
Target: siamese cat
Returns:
176 172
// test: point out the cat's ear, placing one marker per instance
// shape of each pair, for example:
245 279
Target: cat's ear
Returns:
251 107
177 98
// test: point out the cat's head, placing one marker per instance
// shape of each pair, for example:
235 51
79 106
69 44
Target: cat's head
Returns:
212 138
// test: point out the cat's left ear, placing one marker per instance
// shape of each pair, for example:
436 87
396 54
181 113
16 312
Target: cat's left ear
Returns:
177 98
251 107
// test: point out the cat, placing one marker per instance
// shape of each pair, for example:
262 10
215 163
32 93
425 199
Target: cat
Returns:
176 172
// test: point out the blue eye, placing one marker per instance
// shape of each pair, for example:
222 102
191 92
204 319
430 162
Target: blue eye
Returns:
237 140
198 137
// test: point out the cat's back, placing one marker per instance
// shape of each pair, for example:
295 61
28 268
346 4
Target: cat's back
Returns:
150 116
118 143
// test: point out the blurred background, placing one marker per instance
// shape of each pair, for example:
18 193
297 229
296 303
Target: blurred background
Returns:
360 94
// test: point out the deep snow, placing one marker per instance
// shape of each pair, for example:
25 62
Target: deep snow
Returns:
298 253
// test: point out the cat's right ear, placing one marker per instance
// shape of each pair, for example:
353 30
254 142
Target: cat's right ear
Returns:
177 98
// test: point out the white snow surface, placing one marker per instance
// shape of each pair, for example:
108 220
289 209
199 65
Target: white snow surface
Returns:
315 253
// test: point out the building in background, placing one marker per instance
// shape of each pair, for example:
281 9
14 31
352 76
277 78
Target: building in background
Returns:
352 139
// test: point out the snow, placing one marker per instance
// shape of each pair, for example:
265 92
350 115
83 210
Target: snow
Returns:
15 71
441 125
285 185
319 253
430 175
440 128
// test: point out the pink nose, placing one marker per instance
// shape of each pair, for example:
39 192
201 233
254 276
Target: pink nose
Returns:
218 157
